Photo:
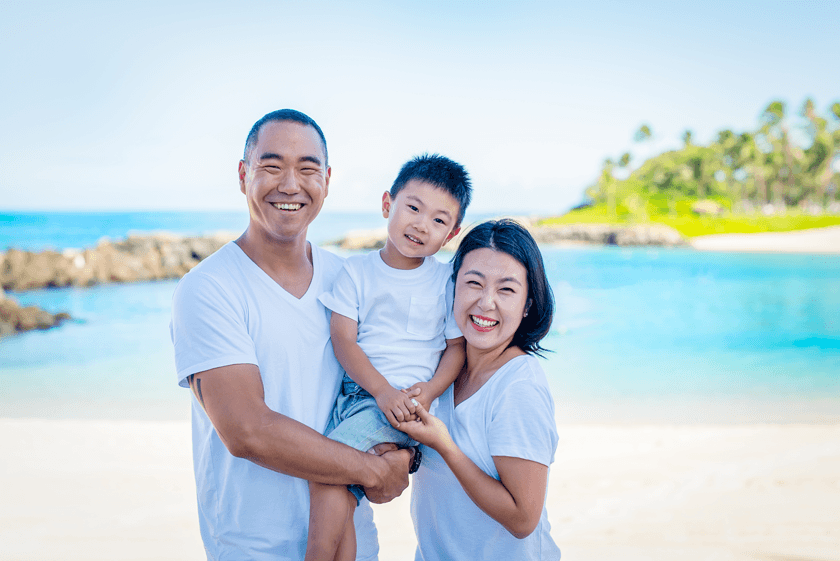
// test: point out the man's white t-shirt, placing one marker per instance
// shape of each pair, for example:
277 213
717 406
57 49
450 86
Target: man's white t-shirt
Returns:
404 315
225 311
512 414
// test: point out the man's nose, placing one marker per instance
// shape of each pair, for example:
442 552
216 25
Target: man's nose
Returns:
288 183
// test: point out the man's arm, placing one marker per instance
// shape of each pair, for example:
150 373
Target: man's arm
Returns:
234 400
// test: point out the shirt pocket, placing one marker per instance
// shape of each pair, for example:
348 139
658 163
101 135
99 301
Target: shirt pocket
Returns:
425 317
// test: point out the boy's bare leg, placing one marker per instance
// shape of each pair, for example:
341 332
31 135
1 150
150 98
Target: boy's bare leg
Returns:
331 510
347 546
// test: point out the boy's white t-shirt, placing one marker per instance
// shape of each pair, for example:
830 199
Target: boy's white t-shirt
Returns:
404 316
225 311
512 414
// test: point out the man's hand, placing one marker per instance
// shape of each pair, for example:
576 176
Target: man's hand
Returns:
392 471
396 405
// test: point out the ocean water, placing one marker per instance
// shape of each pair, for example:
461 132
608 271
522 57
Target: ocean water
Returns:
640 336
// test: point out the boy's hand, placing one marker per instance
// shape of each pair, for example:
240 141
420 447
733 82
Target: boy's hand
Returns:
428 430
396 405
421 393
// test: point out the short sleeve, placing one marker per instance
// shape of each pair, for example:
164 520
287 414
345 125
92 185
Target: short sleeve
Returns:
451 329
523 424
208 327
344 297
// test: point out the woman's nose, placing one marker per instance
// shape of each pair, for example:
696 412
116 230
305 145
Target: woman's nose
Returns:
487 300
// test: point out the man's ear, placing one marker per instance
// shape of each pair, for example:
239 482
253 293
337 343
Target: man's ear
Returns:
327 181
386 204
452 234
243 171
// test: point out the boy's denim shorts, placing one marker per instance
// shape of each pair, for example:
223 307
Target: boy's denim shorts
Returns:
359 423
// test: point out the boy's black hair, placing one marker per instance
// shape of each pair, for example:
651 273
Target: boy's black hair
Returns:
509 237
441 172
279 116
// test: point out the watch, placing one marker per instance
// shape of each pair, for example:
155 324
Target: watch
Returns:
415 463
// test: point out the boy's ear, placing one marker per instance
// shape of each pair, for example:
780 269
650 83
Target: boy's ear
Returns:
386 204
452 234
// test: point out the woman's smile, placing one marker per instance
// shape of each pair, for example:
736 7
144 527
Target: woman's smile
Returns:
483 323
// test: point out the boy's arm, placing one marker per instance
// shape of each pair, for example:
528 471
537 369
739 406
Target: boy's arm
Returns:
395 404
450 365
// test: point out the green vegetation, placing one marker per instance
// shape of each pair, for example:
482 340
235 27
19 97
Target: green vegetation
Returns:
783 176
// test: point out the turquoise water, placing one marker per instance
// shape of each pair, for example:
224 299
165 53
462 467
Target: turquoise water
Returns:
641 335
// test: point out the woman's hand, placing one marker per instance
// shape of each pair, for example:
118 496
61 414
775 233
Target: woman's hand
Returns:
428 430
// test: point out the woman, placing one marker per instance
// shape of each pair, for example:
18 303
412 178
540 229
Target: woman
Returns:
480 492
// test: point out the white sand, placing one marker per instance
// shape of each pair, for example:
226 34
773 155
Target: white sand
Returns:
87 490
817 240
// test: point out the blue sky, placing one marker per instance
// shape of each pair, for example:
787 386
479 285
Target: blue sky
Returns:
146 105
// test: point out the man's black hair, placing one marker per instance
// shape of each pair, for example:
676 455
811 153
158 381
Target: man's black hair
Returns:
441 172
509 237
279 116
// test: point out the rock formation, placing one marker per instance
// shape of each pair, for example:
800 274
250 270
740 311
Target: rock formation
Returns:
14 318
137 258
604 234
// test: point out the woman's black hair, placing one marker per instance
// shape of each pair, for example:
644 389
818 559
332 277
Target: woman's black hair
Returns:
509 237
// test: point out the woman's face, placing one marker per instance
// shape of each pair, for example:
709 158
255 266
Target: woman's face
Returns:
491 291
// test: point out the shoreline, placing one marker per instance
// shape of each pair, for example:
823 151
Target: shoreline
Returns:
815 241
86 490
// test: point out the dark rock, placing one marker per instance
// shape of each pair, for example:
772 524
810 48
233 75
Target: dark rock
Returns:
15 319
137 258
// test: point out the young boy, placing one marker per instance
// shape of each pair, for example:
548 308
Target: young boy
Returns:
391 319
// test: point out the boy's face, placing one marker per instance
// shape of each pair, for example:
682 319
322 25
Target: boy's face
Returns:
421 219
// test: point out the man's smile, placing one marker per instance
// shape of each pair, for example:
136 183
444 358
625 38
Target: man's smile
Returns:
287 206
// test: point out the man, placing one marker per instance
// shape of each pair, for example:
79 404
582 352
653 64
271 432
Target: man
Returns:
252 341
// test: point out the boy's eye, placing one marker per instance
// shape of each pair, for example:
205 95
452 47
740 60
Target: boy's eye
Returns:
412 207
439 221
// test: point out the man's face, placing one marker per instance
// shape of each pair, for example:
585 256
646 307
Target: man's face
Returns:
285 180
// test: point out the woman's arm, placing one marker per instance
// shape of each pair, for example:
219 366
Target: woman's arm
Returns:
515 501
395 404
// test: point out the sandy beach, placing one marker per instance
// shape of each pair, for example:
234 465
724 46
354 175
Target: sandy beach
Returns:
817 240
88 490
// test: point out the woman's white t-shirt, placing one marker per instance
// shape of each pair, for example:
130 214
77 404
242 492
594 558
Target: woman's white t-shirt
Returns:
512 414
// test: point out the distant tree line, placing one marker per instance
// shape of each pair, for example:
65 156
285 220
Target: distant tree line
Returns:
788 161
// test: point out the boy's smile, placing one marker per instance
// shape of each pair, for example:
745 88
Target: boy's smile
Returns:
421 219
